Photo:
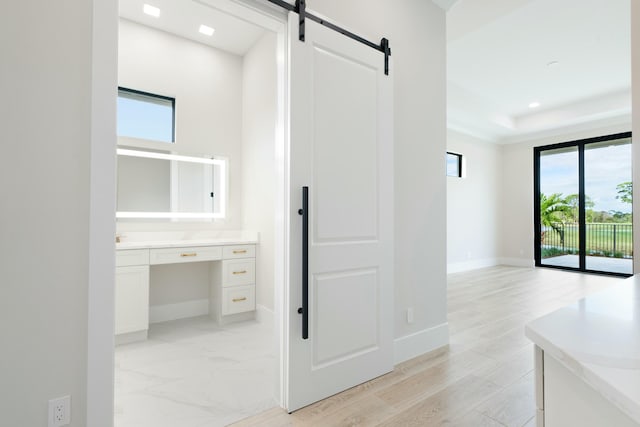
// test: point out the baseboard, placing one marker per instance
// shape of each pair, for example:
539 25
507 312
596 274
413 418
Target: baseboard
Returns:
458 267
264 314
131 337
420 342
181 310
517 262
238 317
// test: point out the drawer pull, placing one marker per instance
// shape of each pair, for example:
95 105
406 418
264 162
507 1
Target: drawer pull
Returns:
240 272
189 254
243 251
239 299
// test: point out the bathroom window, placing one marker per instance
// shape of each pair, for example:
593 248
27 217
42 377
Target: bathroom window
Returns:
146 115
454 165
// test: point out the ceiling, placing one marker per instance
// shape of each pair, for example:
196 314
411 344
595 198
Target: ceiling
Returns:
184 17
573 57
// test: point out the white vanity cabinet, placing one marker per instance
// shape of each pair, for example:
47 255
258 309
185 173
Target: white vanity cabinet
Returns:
235 290
565 399
185 254
232 282
132 295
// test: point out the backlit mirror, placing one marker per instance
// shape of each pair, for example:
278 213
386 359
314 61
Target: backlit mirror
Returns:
170 186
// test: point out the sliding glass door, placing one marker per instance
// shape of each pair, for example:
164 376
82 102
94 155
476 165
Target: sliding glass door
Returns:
559 213
583 205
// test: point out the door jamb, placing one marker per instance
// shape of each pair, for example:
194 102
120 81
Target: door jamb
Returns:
100 349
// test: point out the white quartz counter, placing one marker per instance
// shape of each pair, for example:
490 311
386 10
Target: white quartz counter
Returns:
173 239
598 339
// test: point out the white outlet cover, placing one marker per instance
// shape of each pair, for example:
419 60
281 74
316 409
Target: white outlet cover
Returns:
409 315
59 412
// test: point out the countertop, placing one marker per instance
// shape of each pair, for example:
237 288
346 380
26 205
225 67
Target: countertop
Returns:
598 339
148 240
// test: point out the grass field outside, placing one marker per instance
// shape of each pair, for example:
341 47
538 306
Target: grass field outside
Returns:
602 239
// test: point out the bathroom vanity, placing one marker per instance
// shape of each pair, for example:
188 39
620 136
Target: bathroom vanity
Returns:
231 260
587 360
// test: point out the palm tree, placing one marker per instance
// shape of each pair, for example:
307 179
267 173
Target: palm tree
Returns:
573 201
553 209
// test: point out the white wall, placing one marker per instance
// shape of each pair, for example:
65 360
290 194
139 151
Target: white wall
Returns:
207 86
259 115
45 181
473 204
416 31
517 232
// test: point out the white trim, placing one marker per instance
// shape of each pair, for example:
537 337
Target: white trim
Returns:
102 197
256 12
264 315
421 342
457 267
132 337
445 4
281 229
517 262
180 310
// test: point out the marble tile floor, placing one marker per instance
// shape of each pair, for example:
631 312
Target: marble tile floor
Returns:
194 373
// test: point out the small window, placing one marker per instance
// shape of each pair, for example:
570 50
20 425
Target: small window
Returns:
145 115
454 165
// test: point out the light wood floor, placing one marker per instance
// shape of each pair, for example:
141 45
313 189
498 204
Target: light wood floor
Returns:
483 378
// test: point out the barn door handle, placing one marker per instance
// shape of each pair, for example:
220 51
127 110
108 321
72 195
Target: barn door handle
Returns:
304 310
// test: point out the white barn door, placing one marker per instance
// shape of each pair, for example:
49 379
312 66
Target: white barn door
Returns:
342 150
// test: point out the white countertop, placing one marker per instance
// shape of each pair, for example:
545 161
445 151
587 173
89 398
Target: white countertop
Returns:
598 339
177 239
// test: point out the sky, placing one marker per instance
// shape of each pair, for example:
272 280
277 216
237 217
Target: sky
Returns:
147 120
605 167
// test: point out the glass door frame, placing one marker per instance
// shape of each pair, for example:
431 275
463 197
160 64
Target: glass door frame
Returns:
582 224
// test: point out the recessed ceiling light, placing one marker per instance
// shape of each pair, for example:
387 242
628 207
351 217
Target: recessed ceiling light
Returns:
534 105
207 31
151 10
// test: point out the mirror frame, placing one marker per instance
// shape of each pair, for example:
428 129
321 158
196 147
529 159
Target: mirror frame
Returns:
179 215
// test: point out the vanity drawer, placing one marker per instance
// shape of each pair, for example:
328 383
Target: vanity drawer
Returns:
238 272
127 257
239 251
238 299
186 254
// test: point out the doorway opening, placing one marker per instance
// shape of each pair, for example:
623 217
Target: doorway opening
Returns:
583 205
208 349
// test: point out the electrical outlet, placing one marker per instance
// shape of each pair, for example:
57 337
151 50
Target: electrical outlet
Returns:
409 315
59 412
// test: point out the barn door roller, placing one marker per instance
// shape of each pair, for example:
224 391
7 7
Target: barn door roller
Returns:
300 8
